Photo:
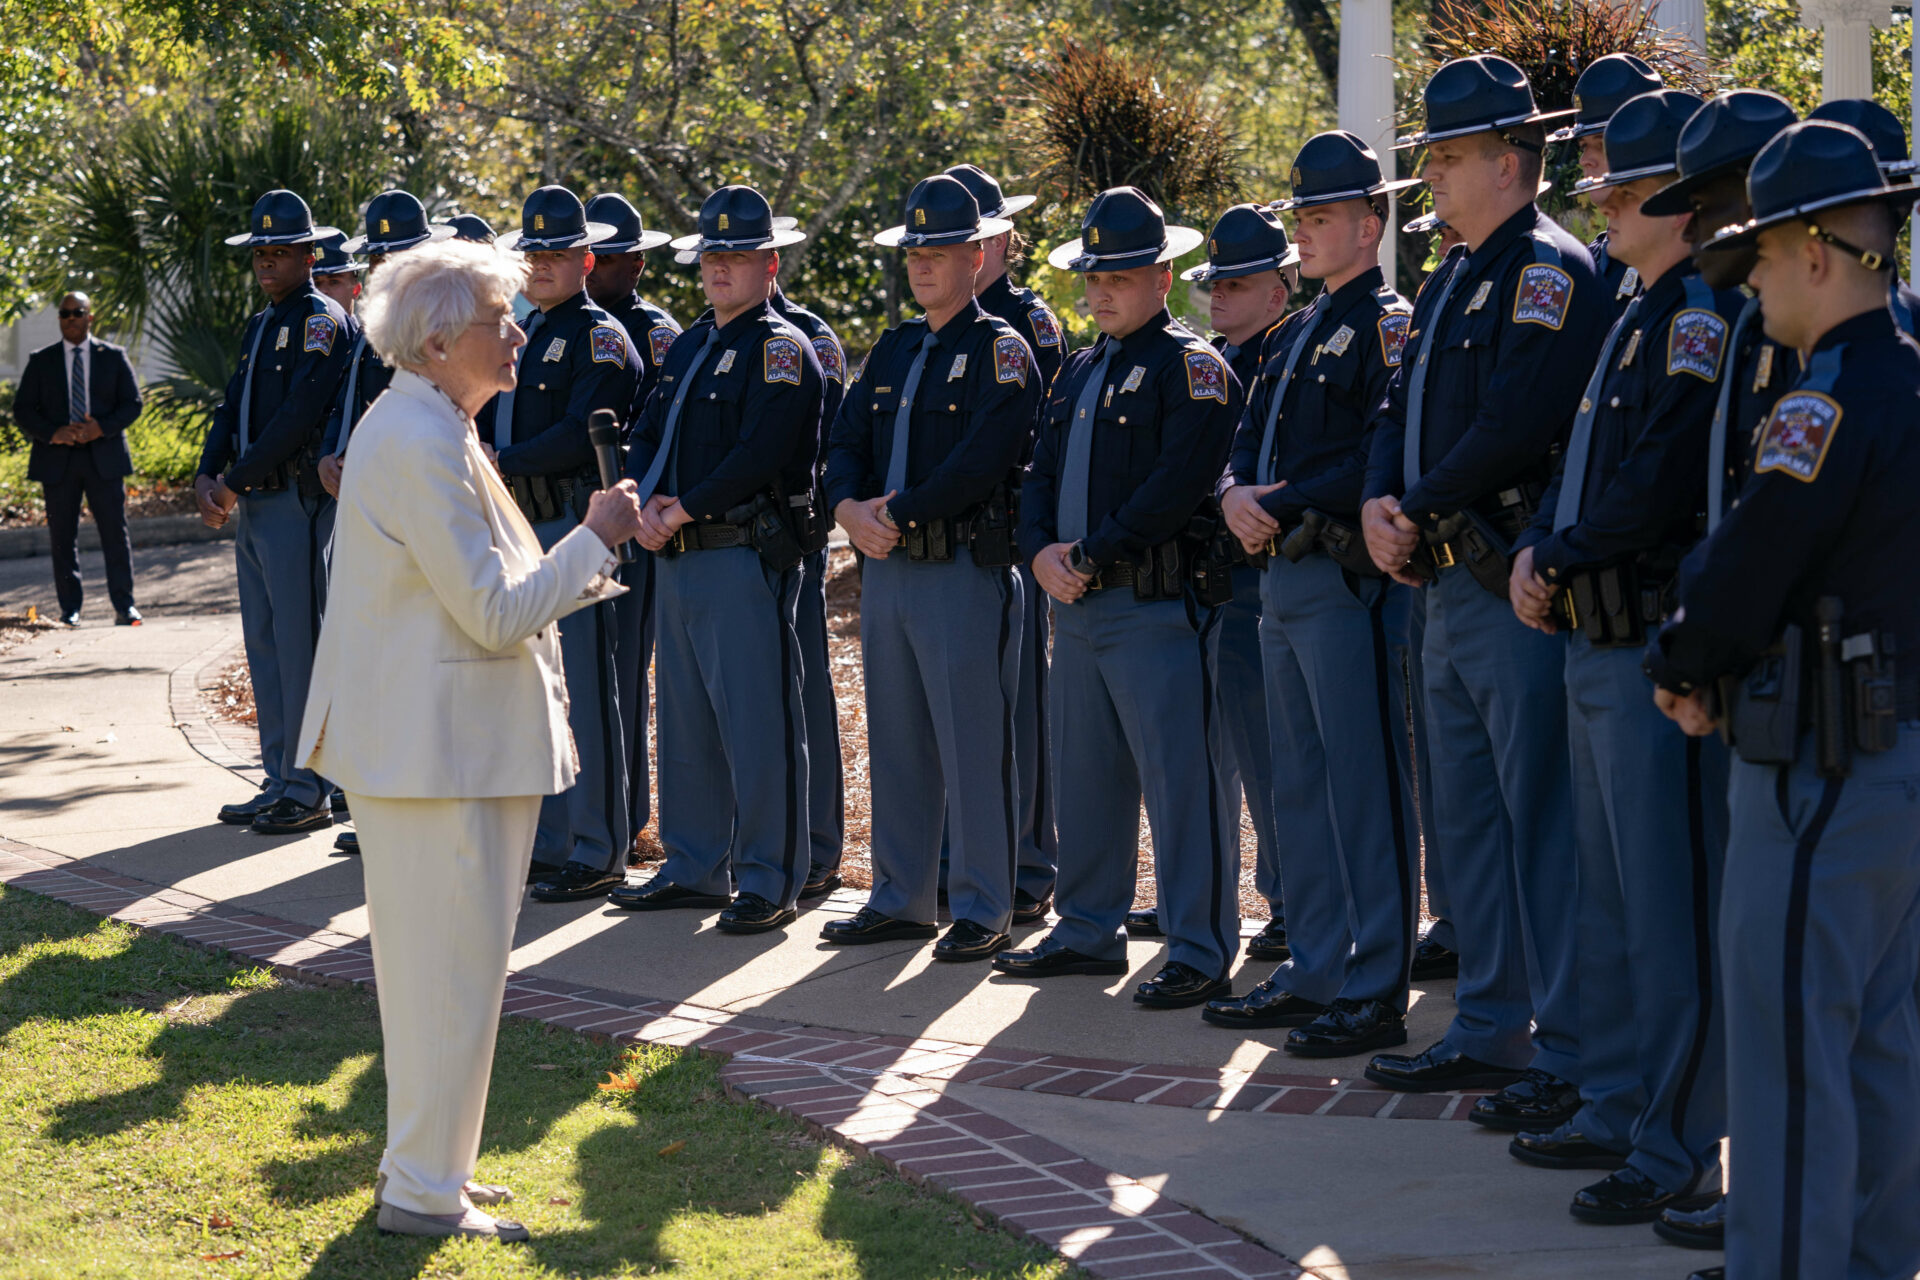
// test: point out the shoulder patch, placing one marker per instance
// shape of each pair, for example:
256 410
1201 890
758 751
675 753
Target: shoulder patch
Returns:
780 360
833 361
1543 295
1206 376
1394 327
1046 327
1796 436
320 334
609 345
1696 341
1010 359
660 341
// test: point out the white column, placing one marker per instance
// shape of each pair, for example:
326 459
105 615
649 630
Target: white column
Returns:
1846 54
1686 18
1366 91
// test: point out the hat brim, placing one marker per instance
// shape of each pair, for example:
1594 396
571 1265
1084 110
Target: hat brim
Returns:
648 240
1424 137
1745 233
1010 205
899 237
1574 132
308 236
347 270
592 233
780 239
1624 176
1072 256
370 244
1207 272
1425 224
1392 188
1677 196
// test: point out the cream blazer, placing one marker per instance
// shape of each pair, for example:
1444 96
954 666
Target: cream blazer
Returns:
438 669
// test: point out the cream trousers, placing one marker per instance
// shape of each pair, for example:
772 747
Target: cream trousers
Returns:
444 884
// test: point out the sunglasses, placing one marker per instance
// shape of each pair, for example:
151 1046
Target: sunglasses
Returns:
66 314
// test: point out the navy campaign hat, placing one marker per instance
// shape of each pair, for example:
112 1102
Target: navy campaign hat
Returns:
941 210
736 218
1723 137
396 220
1123 229
281 217
1882 127
1246 240
471 227
1480 94
987 192
1810 166
554 218
1602 89
330 256
1642 136
1336 166
628 235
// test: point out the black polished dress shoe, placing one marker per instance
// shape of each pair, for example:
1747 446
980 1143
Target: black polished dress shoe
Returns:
1695 1222
288 817
243 814
1179 986
819 884
1565 1148
1144 924
1028 909
338 800
1432 961
131 618
1536 1102
1270 943
1050 959
662 894
578 882
868 925
1623 1197
969 941
1349 1027
1267 1005
1437 1069
347 842
540 871
1708 1273
751 913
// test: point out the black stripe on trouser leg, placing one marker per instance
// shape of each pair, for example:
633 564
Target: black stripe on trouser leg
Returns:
640 779
1794 1011
1009 782
792 689
1215 888
1700 886
609 744
1383 699
1043 749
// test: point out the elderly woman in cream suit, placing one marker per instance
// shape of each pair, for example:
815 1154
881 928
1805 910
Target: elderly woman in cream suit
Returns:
438 705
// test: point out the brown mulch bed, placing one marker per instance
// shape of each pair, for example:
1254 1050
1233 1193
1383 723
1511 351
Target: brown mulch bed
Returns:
159 500
15 627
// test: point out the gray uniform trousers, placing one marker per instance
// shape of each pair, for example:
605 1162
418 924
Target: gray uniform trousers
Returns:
1243 725
1406 619
1333 705
1130 701
633 655
941 644
826 785
1502 807
1650 828
731 730
1820 951
276 555
587 823
1039 856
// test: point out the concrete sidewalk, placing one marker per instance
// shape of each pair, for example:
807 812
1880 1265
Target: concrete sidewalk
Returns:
105 758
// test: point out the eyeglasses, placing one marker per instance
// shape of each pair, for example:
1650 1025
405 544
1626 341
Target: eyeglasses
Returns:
506 325
69 314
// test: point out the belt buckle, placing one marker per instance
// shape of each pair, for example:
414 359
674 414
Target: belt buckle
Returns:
1443 555
1273 546
679 539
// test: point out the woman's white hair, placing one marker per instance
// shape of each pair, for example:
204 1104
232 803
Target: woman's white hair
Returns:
435 291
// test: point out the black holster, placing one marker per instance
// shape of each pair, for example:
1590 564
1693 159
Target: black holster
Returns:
1760 716
1211 560
1468 536
991 529
811 522
768 531
1343 543
1615 605
1159 572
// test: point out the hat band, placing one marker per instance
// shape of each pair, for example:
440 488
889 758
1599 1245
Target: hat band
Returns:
911 239
1271 261
1085 260
1491 126
708 244
293 238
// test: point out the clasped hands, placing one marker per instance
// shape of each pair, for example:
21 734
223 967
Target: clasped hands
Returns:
85 431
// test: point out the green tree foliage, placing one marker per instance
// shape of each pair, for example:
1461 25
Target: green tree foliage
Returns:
1765 45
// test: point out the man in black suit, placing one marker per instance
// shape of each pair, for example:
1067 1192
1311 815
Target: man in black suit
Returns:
75 401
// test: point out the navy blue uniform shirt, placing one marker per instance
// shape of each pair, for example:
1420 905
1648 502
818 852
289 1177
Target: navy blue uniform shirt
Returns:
1621 281
1523 325
1355 337
971 418
578 359
1162 426
303 355
1033 320
751 420
374 378
1762 371
826 348
1645 482
1827 510
652 331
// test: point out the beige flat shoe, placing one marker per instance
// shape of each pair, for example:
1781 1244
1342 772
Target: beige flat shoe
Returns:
480 1193
395 1221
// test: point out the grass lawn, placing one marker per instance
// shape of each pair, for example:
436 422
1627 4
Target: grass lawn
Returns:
165 1112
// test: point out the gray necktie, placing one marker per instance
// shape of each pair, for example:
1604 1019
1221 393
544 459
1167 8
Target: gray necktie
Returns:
1717 438
351 413
1417 384
77 386
1573 478
1263 473
669 434
903 417
503 407
246 384
1072 522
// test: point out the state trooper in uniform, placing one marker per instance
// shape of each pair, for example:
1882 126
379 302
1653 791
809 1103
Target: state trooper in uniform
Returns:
1791 631
918 474
578 359
1334 693
258 462
1649 811
1495 359
719 487
1604 85
335 273
1136 433
1034 321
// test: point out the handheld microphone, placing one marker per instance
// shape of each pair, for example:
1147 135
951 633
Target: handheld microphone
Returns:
603 429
